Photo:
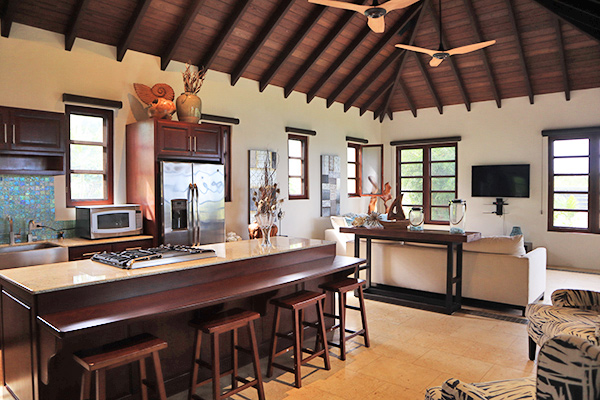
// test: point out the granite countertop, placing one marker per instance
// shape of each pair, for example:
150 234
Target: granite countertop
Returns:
53 277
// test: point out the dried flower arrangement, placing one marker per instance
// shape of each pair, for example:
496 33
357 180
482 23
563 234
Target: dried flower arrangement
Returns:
192 80
266 197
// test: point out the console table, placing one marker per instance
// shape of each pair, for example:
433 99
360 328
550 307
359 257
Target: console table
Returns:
454 244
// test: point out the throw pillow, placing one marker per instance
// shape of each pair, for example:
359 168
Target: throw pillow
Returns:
512 245
337 222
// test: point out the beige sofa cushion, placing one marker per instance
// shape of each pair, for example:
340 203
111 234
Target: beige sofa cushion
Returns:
511 245
337 222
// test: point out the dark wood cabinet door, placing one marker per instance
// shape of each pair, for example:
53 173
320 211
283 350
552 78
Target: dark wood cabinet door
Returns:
5 128
173 139
37 131
86 252
207 141
132 245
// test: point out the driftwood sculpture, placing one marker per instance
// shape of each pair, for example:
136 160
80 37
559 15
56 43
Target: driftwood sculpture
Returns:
396 212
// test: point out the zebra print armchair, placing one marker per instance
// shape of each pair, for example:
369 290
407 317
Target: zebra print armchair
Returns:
573 312
568 368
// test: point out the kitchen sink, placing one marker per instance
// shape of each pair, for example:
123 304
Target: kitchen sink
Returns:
26 254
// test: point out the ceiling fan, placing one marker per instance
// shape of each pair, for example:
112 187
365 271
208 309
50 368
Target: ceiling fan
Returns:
437 56
374 12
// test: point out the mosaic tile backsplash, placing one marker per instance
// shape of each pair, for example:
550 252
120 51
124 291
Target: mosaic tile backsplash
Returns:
25 197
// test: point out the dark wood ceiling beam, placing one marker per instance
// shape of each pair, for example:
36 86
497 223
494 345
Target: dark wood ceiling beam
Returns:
320 49
75 24
228 26
7 14
260 40
386 104
378 93
427 79
515 32
457 78
404 92
337 63
474 22
561 57
373 77
381 110
582 15
392 33
132 27
291 45
183 28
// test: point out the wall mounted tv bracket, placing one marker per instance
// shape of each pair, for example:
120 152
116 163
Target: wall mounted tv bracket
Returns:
499 203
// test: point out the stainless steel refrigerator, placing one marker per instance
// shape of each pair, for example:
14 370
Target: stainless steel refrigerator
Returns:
192 203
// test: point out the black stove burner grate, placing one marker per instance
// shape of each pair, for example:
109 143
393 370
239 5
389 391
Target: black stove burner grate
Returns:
126 259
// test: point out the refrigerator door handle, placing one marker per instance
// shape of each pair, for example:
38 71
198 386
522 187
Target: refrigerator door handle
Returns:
192 211
197 217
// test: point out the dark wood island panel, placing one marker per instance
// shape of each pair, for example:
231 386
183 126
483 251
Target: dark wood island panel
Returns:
61 321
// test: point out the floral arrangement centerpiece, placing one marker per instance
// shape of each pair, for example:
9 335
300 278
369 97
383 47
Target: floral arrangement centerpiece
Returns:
189 105
267 202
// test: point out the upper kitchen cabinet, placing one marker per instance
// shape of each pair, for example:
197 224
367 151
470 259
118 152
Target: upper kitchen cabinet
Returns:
31 141
202 142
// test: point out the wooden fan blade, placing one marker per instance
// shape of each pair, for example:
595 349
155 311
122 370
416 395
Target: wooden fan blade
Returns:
341 4
435 61
396 4
377 25
417 49
470 48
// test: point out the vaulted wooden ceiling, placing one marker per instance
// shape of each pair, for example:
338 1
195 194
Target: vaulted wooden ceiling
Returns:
330 53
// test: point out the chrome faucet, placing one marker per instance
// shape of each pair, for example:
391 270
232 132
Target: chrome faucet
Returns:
11 233
30 227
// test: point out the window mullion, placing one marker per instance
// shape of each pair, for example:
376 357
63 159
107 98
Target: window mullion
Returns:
593 196
427 183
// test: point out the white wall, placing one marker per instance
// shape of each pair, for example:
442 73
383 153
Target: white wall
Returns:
35 71
511 134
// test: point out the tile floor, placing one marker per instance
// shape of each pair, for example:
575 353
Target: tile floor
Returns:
414 349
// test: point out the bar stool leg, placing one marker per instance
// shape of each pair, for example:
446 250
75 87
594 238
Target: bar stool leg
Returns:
216 379
297 349
86 385
195 366
273 342
101 384
255 361
363 316
143 388
323 335
234 353
342 305
160 383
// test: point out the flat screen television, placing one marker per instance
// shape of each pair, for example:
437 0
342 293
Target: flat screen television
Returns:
511 180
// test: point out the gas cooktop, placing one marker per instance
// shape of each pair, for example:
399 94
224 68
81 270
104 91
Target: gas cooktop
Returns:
164 254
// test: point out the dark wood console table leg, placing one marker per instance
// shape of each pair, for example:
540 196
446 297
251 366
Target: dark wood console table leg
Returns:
453 297
367 265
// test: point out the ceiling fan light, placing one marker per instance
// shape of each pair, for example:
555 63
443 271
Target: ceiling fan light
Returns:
375 12
441 55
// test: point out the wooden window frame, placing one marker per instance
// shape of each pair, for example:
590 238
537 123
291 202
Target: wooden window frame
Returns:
108 117
593 192
427 176
357 164
304 159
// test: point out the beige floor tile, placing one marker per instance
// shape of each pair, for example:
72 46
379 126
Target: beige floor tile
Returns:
471 368
497 373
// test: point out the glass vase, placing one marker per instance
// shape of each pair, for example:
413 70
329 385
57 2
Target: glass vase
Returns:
265 222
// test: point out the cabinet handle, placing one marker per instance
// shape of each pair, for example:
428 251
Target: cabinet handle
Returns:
190 143
90 254
195 144
5 133
13 134
134 248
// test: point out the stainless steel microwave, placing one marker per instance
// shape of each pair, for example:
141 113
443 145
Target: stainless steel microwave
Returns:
97 222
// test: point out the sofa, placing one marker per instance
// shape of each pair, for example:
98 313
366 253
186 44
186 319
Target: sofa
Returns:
495 269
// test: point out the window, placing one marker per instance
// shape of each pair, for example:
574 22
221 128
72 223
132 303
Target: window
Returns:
89 161
353 169
297 167
426 176
573 184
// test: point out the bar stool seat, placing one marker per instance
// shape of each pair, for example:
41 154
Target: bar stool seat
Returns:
297 303
228 321
101 359
341 287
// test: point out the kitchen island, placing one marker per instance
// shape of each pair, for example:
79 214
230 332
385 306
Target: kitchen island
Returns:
50 311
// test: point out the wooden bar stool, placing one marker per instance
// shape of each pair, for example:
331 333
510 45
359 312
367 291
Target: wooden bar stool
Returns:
225 322
298 302
115 354
342 287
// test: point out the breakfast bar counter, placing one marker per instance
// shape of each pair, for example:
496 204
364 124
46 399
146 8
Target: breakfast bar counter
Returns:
50 311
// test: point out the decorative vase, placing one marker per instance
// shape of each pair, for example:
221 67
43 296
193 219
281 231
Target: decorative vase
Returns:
189 107
458 211
416 218
265 222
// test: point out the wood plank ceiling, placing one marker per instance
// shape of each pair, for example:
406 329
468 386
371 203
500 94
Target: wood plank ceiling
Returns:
330 53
